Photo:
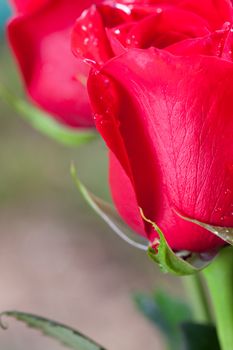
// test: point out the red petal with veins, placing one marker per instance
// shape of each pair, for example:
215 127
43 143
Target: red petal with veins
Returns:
170 126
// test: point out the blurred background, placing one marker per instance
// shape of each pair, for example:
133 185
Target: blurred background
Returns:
57 258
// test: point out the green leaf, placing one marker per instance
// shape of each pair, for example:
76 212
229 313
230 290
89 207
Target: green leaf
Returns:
225 233
200 337
108 213
151 310
45 123
64 334
166 313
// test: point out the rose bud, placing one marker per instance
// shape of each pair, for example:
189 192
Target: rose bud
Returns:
161 89
39 35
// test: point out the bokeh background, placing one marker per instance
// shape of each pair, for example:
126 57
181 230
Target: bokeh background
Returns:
57 258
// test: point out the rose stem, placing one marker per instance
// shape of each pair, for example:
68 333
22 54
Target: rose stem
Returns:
196 292
219 279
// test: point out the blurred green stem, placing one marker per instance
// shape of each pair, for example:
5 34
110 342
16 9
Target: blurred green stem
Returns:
219 278
197 295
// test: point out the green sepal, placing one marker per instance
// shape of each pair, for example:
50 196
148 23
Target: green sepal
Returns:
64 334
225 233
45 123
178 264
162 254
109 215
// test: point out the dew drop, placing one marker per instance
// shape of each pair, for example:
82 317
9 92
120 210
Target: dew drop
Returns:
134 41
96 72
106 82
107 111
159 10
123 8
128 41
226 26
228 191
89 61
86 41
117 31
97 116
84 28
78 51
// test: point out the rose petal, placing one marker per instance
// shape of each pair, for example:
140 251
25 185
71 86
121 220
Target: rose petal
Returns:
89 39
163 28
216 12
27 6
128 208
54 78
218 44
177 137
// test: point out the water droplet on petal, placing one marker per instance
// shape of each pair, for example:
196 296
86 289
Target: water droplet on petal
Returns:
117 31
95 42
128 41
89 61
159 10
106 82
84 28
86 41
226 26
124 8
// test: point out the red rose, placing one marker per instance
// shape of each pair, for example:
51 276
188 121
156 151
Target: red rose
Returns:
39 35
164 105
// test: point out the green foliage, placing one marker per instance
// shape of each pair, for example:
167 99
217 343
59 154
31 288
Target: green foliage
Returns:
64 334
174 319
166 313
45 124
200 337
219 280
